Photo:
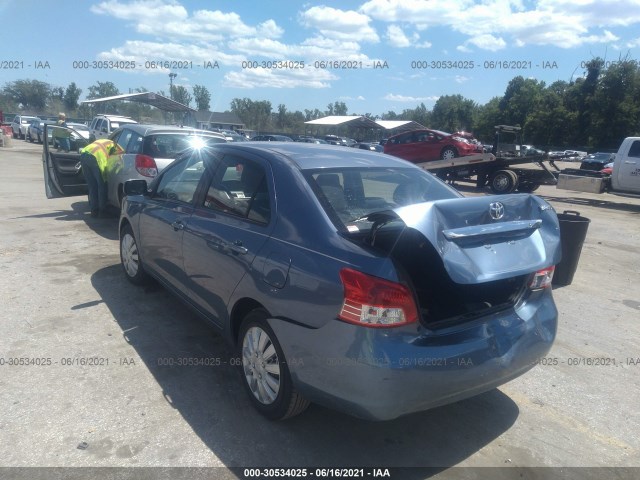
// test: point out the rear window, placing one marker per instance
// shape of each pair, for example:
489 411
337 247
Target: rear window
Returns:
171 145
349 195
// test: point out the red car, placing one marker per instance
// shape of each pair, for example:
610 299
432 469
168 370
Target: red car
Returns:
425 145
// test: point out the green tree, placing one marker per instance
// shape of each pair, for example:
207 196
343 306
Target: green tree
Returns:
71 97
181 95
453 113
519 100
255 114
312 114
488 116
202 97
615 105
28 94
102 89
337 108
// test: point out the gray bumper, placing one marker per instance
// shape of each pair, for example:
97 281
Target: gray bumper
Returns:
381 374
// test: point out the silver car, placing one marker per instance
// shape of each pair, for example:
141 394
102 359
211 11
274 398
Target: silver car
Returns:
147 150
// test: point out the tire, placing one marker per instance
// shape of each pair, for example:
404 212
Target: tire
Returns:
527 187
29 138
448 153
130 258
15 135
265 374
503 181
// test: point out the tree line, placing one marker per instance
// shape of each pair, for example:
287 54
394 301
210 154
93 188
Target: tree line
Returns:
594 111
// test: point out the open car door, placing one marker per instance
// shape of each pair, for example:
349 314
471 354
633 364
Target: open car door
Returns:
63 175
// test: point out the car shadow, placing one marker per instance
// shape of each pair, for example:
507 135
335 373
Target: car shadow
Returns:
105 227
210 397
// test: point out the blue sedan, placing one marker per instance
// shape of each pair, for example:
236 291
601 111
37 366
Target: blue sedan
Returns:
345 277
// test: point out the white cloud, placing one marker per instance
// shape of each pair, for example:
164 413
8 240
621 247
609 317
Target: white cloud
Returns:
347 98
488 42
141 9
169 19
141 51
634 43
270 29
339 24
261 77
397 37
461 79
406 99
561 23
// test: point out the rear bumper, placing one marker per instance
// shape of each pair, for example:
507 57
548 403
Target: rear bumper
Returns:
382 374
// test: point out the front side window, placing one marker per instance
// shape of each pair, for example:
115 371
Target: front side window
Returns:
239 187
634 151
181 180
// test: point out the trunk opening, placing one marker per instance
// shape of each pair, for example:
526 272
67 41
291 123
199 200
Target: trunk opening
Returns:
441 301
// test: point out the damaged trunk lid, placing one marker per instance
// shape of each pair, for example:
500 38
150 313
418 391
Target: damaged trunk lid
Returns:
464 256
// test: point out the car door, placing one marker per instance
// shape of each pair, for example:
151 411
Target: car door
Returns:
63 175
164 218
627 171
115 166
231 222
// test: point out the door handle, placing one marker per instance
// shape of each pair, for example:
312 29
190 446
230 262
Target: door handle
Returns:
629 163
237 247
177 225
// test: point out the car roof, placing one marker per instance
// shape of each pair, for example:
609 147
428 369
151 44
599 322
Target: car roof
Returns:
310 155
148 129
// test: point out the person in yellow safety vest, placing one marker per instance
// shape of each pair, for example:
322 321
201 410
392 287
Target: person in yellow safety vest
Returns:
93 159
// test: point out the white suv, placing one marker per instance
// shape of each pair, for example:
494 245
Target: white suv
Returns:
103 125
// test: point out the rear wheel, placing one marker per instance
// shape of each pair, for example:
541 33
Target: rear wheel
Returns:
503 181
130 258
265 374
448 153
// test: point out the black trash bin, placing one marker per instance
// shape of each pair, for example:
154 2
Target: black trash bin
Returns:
573 231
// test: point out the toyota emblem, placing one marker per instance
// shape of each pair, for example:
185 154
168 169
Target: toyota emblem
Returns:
496 210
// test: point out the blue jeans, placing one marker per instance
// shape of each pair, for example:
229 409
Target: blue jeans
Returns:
96 185
64 143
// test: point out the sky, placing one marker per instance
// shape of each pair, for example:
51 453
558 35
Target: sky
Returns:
373 55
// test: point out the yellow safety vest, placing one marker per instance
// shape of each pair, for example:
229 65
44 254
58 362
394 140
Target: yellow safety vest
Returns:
100 150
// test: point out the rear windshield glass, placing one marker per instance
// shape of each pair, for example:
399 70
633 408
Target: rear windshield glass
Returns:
170 145
349 194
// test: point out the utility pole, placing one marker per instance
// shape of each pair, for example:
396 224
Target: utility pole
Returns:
171 77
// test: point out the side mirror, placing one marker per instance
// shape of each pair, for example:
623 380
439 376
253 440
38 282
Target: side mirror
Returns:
135 187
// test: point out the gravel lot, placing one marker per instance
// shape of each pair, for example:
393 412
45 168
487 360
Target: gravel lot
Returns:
64 299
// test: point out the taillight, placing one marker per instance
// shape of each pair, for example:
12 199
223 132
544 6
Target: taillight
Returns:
542 279
145 165
375 302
